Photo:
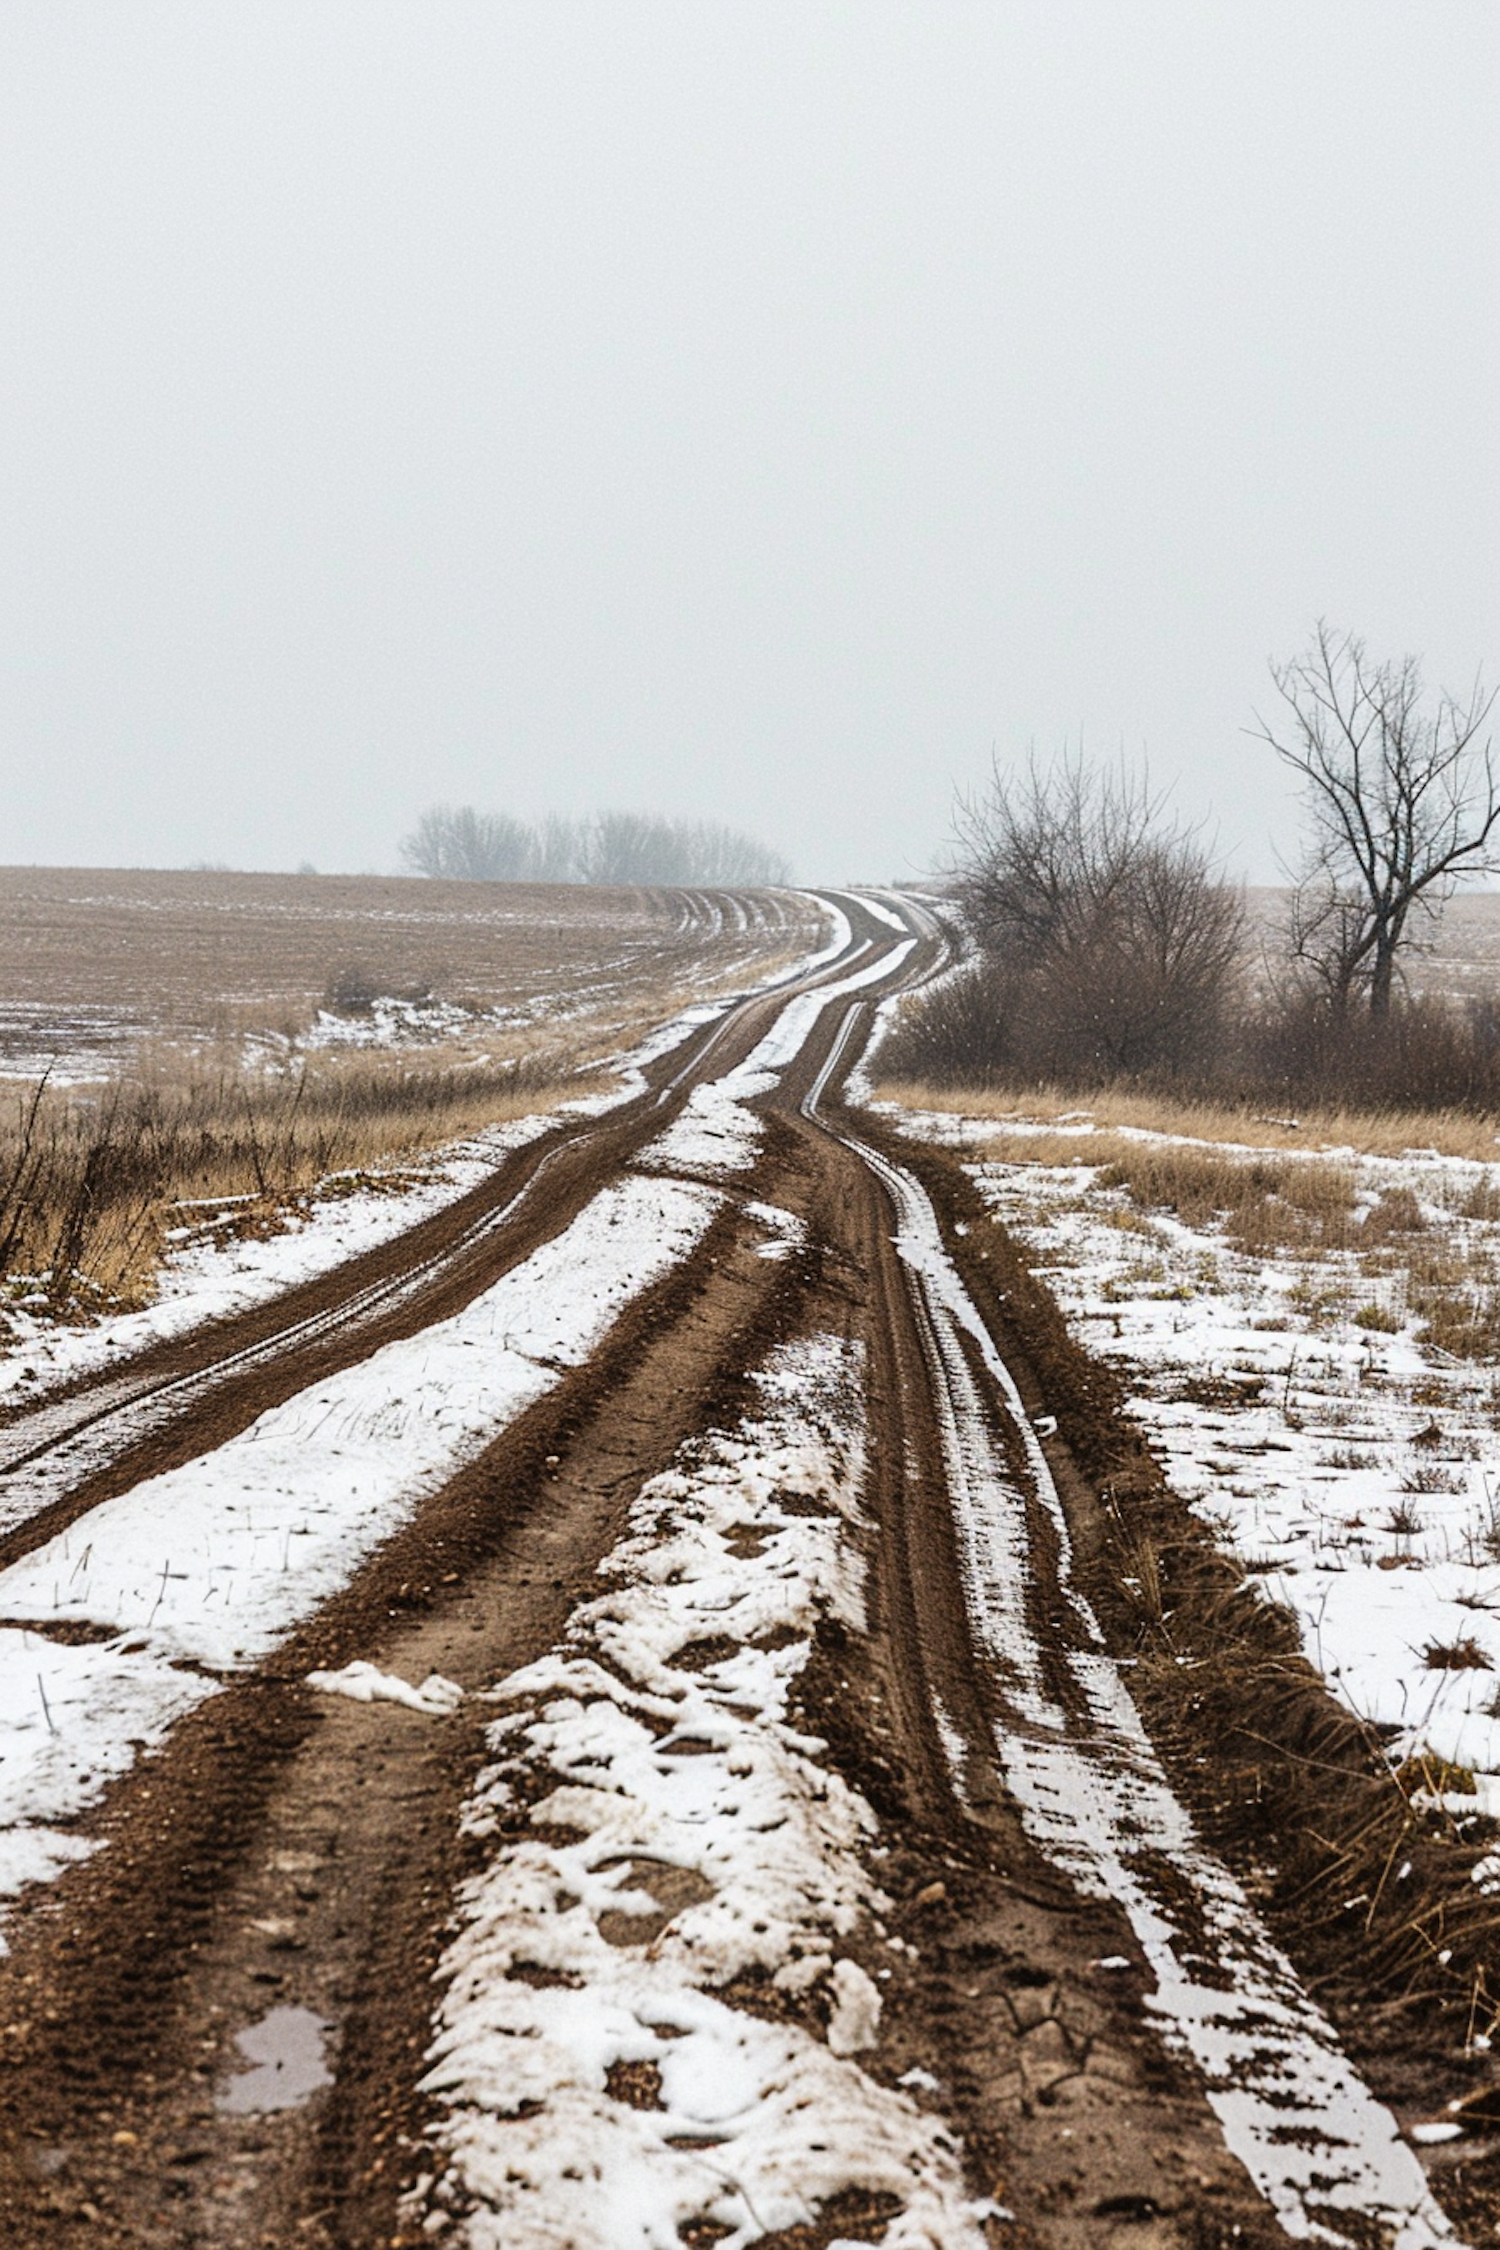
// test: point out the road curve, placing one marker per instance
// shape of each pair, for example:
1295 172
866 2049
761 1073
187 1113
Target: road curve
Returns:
1082 1957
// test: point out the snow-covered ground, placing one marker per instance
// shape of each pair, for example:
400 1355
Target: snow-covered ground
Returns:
711 1845
1296 1403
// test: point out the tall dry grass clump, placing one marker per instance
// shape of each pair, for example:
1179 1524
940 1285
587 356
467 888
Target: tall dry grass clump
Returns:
1265 1203
94 1182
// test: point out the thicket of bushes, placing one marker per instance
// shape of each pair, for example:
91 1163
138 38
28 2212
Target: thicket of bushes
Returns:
1291 1051
1110 950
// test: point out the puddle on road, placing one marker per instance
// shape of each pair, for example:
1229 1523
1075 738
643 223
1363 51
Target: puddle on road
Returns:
286 2050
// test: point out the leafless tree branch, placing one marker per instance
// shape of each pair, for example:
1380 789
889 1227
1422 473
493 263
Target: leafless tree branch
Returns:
1114 936
1402 801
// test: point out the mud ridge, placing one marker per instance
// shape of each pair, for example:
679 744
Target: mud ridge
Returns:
293 1849
1292 1789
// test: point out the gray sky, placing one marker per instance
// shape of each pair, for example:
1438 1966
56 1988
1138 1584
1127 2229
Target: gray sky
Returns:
754 409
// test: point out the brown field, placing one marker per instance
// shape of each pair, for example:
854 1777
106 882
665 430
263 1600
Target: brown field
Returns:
209 1039
94 962
1461 961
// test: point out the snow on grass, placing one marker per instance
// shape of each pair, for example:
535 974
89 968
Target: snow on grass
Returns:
1356 1470
664 1837
1091 1792
388 1021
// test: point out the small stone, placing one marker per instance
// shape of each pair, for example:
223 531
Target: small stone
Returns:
931 1894
125 2138
1032 2004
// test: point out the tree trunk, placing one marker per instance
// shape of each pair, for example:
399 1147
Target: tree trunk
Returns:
1383 978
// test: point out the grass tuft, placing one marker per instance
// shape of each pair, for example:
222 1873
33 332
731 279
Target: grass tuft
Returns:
1337 1131
1463 1655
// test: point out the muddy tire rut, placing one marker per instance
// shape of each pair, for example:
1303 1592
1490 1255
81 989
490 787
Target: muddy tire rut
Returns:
288 1864
296 1851
1066 2100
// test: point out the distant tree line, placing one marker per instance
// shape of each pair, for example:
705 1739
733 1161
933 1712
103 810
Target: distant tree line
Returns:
1110 946
611 847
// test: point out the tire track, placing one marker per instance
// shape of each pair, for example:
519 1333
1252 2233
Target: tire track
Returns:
1059 1729
1014 1739
186 1398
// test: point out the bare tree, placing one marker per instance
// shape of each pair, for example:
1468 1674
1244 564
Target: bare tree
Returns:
624 847
1114 941
1402 800
611 847
469 847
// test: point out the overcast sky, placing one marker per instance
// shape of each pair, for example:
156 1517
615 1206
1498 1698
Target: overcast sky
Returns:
753 409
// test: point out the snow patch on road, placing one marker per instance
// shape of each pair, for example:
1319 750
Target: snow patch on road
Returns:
871 902
366 1683
717 1133
216 1560
213 1563
72 1720
663 1831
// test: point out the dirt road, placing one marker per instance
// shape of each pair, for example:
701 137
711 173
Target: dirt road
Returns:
1032 2005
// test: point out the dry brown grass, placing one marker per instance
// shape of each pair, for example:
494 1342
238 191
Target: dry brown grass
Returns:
1453 1288
1265 1202
1378 1133
1265 1205
1286 1201
93 1187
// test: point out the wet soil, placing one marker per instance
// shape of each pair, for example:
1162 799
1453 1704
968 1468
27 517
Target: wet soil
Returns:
295 1852
1281 1779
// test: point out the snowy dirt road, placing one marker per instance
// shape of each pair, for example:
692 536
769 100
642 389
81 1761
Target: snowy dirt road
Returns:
580 1728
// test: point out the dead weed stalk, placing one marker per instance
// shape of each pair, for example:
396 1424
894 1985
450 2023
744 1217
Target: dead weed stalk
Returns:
94 1183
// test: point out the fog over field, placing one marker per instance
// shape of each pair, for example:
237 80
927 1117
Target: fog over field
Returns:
750 414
